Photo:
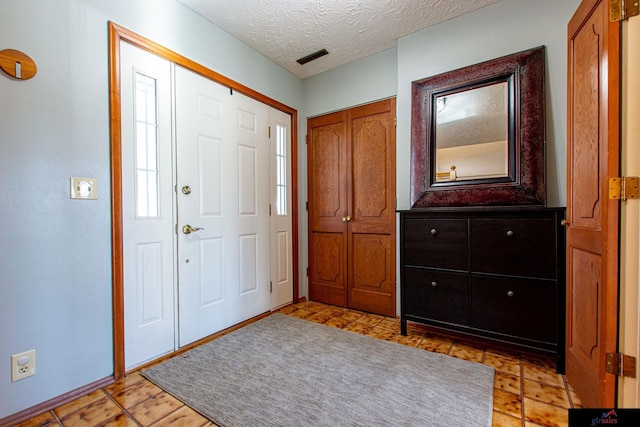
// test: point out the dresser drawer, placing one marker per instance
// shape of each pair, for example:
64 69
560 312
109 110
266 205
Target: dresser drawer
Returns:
439 243
436 295
519 307
520 247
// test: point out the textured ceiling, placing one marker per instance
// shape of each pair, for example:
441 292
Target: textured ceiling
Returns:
286 30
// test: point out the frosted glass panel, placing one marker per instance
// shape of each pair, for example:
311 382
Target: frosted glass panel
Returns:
146 148
281 170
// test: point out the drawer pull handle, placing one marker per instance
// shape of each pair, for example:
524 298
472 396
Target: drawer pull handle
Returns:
509 233
433 231
434 284
510 293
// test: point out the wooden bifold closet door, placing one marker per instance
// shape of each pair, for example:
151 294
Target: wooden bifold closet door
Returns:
351 176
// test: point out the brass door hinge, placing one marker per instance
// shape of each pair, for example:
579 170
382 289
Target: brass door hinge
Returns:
271 287
623 188
619 10
621 365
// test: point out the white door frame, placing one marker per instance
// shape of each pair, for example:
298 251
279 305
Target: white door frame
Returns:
116 35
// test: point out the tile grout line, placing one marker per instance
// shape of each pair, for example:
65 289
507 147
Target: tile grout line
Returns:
60 419
134 419
57 418
522 416
566 390
124 410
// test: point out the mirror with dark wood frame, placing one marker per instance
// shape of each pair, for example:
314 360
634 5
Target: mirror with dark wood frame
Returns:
478 134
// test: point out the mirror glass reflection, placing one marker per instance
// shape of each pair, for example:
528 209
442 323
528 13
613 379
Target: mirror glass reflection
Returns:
471 134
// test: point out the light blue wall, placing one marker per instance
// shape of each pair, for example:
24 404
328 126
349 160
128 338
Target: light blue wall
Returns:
361 82
55 255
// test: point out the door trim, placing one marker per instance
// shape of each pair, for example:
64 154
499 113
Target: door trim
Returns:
606 239
117 34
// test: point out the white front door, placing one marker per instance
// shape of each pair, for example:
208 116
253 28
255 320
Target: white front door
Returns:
281 219
147 205
196 202
223 202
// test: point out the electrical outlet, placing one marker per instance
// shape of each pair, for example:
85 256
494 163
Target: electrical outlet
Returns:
23 365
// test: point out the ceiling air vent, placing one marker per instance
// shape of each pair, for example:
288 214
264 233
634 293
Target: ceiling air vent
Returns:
314 55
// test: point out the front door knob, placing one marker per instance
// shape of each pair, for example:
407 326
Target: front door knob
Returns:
187 229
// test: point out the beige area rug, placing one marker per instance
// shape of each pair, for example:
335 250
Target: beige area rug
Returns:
284 371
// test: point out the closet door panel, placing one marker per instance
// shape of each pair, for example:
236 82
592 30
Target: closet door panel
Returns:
327 268
372 273
327 175
372 153
371 231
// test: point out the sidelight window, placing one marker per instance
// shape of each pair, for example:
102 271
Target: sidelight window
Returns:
146 148
281 170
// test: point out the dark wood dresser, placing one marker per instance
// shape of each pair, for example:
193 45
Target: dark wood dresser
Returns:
489 272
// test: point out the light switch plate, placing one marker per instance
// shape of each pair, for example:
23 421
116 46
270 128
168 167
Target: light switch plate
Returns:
84 188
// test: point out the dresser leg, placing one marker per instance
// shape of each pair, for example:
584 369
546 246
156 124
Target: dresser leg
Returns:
403 327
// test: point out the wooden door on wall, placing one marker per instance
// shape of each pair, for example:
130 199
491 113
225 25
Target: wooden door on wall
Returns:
351 172
592 229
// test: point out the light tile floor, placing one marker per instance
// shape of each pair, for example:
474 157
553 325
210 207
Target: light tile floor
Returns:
528 392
